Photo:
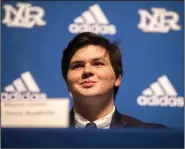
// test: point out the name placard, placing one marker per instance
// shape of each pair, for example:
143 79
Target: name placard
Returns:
50 113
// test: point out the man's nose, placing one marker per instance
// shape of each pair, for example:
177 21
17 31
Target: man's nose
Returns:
87 71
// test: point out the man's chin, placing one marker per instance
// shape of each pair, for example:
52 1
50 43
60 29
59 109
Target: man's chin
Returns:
89 94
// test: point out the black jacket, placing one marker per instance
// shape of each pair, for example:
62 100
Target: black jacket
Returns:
121 120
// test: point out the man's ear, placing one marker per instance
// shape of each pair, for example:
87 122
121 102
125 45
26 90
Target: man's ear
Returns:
118 81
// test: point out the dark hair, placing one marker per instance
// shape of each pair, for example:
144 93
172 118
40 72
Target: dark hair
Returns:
88 38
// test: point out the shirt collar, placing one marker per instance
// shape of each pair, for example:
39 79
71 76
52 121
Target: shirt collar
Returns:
103 122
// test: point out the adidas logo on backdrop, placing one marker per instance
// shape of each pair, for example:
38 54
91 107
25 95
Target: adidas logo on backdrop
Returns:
24 88
160 93
92 20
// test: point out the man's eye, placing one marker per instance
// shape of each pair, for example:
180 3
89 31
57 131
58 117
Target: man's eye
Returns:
98 64
77 66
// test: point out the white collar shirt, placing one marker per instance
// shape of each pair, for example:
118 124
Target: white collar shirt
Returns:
102 123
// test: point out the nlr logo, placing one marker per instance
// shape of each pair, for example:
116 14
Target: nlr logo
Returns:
161 21
25 16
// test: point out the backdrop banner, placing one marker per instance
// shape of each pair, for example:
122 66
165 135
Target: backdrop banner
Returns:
151 36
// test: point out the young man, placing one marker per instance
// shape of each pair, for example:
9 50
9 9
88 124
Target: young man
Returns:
92 69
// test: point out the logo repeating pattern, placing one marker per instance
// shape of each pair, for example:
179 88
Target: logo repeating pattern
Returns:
161 21
160 93
92 20
25 16
141 23
24 87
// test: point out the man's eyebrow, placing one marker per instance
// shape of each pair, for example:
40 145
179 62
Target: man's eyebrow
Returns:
98 58
81 61
94 59
76 61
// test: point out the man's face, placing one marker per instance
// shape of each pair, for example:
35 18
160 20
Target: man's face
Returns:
90 73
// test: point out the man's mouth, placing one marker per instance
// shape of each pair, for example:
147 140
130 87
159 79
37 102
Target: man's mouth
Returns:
88 84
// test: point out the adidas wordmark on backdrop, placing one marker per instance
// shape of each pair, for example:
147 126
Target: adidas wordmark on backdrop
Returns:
92 20
160 93
24 87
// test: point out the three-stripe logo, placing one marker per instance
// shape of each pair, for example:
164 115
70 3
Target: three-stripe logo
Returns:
23 84
92 20
24 87
160 93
